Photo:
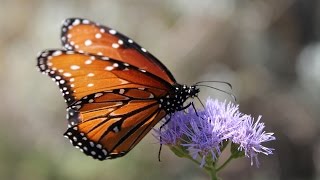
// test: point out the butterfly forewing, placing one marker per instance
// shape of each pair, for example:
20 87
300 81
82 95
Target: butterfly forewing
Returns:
86 36
79 75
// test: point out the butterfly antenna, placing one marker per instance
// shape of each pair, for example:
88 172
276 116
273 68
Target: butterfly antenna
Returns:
222 82
230 94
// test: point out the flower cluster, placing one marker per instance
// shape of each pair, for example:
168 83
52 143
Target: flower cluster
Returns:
204 134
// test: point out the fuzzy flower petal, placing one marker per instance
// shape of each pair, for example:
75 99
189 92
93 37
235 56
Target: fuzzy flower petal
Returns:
201 139
249 137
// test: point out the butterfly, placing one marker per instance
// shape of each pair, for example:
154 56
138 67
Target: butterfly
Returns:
115 90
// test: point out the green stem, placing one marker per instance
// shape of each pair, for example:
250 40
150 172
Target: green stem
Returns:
213 173
225 163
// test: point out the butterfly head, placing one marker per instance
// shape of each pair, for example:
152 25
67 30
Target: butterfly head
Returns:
193 91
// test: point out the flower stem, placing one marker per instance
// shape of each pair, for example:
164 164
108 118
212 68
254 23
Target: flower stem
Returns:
225 163
213 173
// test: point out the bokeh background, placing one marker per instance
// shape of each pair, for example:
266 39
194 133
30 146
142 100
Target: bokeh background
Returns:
268 49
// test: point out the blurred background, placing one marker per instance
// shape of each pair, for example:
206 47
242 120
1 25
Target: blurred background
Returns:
268 49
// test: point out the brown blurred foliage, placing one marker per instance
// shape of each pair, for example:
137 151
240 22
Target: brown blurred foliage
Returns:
268 49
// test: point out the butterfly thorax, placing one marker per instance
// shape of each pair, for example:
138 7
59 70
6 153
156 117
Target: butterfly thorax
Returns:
174 100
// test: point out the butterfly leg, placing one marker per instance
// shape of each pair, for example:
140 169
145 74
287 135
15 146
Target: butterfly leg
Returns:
190 104
200 101
165 123
195 110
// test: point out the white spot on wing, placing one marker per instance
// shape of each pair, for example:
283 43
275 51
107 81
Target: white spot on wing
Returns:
116 129
105 58
88 42
99 146
112 31
98 35
91 144
104 152
85 21
57 53
76 22
74 67
115 45
121 91
90 85
90 75
109 68
88 61
143 49
98 95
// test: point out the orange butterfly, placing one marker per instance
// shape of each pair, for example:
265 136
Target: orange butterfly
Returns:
116 91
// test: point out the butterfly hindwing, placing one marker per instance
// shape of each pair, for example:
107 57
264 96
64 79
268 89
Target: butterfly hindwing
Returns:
109 128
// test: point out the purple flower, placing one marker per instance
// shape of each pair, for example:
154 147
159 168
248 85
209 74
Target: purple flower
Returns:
206 132
203 133
249 137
